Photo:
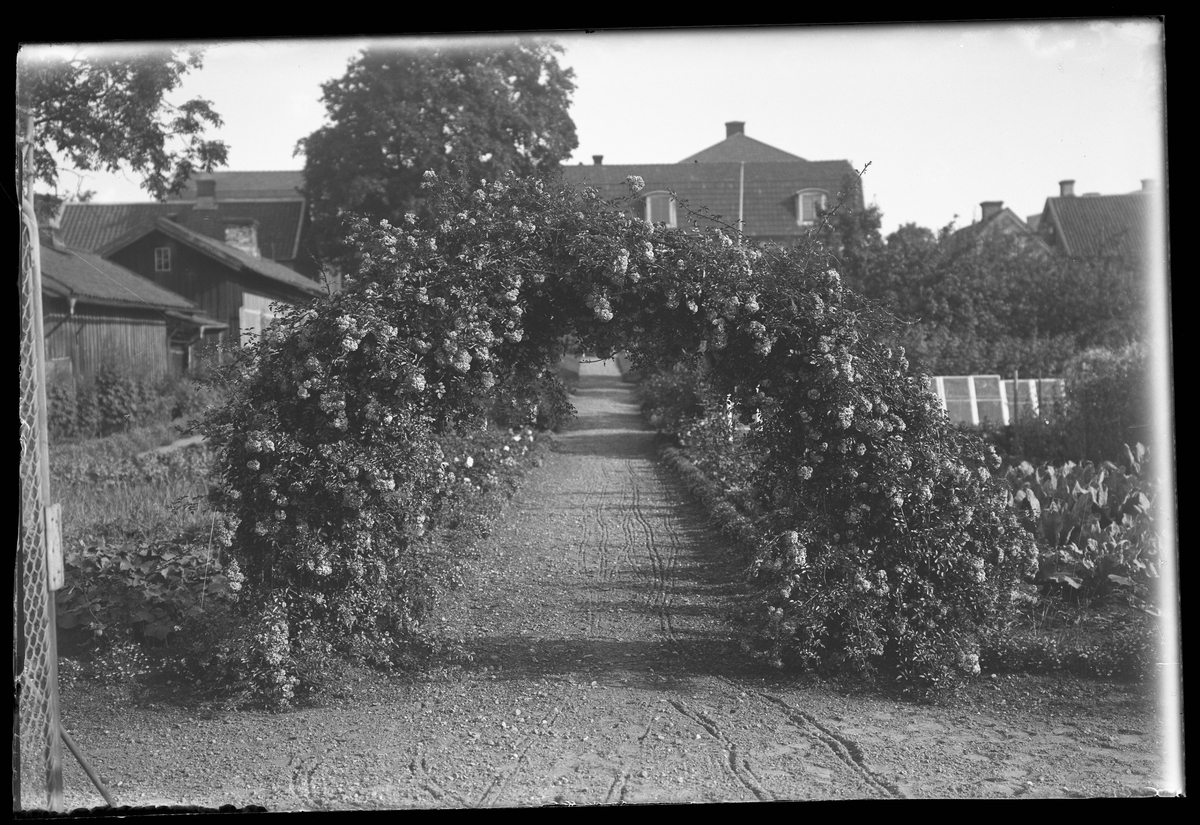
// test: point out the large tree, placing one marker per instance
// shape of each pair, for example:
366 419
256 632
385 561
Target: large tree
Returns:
399 112
109 110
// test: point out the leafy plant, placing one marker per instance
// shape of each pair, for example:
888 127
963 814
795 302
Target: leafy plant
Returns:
149 589
1095 526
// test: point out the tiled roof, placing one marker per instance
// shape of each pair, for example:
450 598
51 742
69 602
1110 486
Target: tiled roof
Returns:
768 199
738 148
233 258
1090 225
1003 222
249 185
93 226
71 273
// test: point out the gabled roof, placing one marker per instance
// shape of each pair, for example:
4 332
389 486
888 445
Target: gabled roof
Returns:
93 226
257 186
1001 222
738 148
1083 226
768 201
69 273
233 258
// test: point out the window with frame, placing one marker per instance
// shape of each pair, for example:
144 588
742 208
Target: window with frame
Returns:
162 259
660 208
810 203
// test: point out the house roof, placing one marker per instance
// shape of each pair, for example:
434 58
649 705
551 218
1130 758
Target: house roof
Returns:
70 273
93 226
233 258
1093 224
1001 222
738 148
768 199
270 185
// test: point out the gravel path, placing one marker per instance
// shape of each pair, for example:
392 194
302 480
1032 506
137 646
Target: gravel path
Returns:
603 670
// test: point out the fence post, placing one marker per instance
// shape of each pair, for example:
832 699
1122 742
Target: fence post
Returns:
1016 412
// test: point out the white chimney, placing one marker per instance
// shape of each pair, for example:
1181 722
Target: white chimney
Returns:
243 235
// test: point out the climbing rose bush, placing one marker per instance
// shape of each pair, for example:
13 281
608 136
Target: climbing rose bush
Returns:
889 542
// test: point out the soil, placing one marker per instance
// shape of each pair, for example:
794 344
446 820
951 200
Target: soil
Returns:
599 667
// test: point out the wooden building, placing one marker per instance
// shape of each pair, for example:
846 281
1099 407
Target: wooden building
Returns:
218 205
97 313
227 283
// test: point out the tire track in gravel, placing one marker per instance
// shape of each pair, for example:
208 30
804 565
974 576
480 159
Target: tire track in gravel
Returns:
428 782
593 537
734 763
300 779
844 748
661 594
501 783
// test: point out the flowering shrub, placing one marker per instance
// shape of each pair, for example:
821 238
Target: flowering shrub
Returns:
892 543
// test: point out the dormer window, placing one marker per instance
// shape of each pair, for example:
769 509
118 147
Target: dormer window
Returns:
162 259
660 208
810 203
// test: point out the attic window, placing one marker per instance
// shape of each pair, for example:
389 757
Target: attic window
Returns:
660 208
810 203
162 259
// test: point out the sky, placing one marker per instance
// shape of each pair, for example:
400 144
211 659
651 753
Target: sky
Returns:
946 115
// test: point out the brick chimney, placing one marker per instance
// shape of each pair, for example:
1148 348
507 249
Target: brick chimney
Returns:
990 209
735 127
206 194
598 159
243 235
1066 188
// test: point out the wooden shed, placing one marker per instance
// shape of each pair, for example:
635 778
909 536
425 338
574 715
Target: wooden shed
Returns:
231 284
98 313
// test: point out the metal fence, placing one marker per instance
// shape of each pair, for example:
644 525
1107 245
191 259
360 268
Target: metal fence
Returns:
35 654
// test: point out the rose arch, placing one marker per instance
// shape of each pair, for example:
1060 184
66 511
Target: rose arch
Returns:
885 542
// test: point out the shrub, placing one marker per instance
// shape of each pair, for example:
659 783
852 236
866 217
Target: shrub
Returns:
673 398
891 545
71 411
148 589
1107 399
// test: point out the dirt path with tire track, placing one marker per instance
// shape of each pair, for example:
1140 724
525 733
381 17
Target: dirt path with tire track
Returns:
601 669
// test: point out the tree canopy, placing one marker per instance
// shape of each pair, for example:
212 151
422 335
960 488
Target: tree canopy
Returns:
110 111
999 304
398 113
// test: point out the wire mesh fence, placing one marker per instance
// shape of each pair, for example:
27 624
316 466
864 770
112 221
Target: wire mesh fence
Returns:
35 650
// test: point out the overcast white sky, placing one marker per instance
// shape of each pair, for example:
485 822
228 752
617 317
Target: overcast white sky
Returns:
947 115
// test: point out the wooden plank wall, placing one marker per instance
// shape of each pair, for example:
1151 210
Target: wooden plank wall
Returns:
94 336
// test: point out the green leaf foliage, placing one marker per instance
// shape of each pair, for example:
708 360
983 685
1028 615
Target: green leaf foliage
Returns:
109 110
399 112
